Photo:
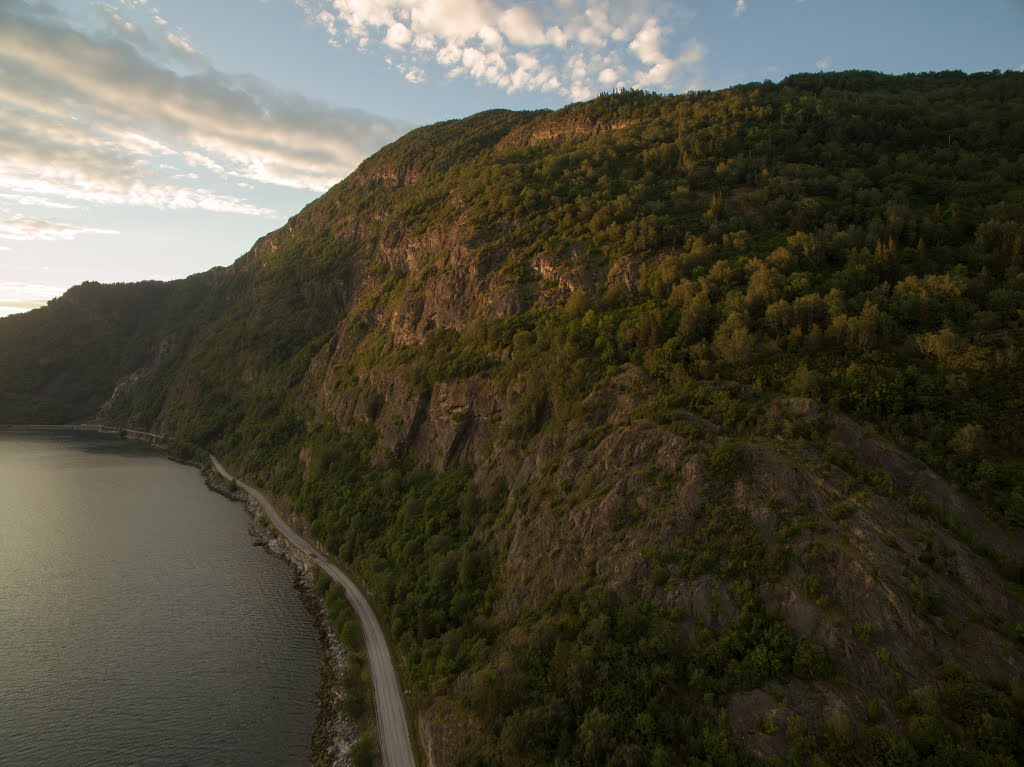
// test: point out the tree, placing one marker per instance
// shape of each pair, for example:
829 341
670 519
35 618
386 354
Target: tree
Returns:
804 382
733 341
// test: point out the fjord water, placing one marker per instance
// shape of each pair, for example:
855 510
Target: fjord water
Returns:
138 625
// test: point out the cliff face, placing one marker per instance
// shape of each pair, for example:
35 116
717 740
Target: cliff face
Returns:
659 428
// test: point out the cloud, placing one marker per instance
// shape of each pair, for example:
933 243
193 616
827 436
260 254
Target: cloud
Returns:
118 21
741 8
457 20
521 27
21 228
647 45
36 202
99 120
325 20
481 39
198 160
398 35
530 74
449 55
823 63
180 42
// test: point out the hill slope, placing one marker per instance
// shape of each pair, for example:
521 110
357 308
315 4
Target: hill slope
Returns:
659 428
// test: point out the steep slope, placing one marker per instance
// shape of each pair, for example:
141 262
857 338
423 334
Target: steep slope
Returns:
659 428
63 363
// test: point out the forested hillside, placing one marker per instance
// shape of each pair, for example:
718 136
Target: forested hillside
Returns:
662 430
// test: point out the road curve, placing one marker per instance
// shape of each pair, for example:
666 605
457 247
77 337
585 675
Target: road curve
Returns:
396 749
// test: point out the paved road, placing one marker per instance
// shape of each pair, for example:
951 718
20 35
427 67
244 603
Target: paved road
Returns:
387 695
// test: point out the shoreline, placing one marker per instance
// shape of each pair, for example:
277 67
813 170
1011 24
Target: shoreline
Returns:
334 734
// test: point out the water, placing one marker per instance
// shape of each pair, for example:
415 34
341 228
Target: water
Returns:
138 625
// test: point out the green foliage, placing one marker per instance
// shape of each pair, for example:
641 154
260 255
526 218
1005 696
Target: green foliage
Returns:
724 459
364 752
188 452
810 661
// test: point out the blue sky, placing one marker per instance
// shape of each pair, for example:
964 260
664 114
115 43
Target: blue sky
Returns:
143 139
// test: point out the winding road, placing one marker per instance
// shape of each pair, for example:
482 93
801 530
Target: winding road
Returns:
392 727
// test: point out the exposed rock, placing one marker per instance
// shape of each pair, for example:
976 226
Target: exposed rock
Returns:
909 475
561 129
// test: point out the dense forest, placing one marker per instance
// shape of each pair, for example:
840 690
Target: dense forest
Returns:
660 429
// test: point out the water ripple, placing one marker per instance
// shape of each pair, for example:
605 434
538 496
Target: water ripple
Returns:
138 626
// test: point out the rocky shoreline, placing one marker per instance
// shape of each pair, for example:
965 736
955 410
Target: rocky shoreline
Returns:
334 734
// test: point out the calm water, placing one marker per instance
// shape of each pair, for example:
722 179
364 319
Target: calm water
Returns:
138 625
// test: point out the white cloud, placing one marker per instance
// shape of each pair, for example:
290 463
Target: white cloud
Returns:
30 201
741 8
491 38
556 37
195 159
580 92
823 63
180 43
488 66
424 43
97 121
520 26
326 20
530 74
24 229
449 55
136 143
457 20
594 28
322 18
56 187
479 39
647 43
647 46
590 36
398 36
360 14
527 61
577 68
118 21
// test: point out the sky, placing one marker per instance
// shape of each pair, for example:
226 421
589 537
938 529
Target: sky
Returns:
152 139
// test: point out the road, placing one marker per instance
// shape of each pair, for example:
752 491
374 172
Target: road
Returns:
396 749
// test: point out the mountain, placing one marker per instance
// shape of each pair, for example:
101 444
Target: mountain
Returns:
661 429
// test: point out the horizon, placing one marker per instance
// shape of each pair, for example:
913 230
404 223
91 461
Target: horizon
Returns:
147 143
